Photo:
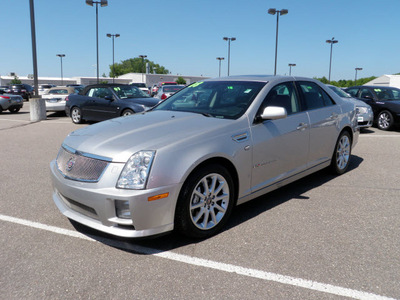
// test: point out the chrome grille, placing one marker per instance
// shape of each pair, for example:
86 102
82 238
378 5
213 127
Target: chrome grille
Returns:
80 166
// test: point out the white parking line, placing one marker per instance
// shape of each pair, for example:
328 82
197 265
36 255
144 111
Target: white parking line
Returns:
283 279
382 135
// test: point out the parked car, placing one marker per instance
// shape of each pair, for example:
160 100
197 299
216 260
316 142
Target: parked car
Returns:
55 97
4 88
141 86
188 161
158 85
100 102
10 102
385 103
365 116
44 88
167 90
19 89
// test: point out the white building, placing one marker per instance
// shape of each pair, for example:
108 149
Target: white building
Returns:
386 80
149 79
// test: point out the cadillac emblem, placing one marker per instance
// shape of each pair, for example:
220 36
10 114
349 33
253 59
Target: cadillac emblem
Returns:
70 164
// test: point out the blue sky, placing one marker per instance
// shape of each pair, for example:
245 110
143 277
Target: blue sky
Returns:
185 36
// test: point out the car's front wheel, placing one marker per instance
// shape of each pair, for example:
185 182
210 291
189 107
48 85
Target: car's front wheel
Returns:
385 120
76 115
127 112
205 202
342 154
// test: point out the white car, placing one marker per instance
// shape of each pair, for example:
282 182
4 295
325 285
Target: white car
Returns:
55 97
166 91
44 88
187 162
141 86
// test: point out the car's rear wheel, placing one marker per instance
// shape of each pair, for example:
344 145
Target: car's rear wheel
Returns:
127 112
14 110
385 120
205 202
342 154
76 115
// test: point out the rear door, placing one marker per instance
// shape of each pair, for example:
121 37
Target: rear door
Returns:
324 115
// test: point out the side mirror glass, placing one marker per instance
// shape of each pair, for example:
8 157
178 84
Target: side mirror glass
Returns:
109 98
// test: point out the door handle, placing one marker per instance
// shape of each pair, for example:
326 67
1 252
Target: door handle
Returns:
302 126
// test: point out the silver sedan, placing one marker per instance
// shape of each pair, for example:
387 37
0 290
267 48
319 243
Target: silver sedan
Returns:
189 161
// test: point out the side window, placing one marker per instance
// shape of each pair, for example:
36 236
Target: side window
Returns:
352 92
283 95
99 92
314 96
365 92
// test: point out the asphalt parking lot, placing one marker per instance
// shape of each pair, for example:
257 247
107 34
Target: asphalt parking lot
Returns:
323 237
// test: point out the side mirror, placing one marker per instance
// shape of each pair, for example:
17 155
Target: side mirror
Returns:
368 97
109 98
274 113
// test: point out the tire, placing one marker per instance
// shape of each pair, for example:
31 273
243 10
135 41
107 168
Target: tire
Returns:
205 202
342 154
76 115
14 110
127 112
385 120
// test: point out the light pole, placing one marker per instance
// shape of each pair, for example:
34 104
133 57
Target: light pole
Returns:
273 11
61 57
113 36
102 4
332 41
290 68
355 79
143 57
220 58
229 49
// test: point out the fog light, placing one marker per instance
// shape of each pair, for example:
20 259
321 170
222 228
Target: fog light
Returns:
122 209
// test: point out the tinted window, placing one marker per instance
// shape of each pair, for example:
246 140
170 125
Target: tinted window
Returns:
101 92
314 96
364 93
283 95
56 92
352 92
387 93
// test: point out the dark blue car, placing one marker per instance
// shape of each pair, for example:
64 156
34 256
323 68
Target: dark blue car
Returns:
100 102
385 103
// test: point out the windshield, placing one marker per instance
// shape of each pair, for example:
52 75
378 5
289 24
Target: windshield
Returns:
339 91
387 93
219 99
129 91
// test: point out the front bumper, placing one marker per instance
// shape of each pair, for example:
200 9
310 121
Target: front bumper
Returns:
94 204
365 120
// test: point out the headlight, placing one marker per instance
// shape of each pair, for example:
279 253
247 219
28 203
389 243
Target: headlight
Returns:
362 109
137 168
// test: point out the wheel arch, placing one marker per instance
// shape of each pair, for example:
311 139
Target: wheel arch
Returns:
222 162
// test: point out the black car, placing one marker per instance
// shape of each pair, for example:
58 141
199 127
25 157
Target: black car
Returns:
385 103
100 102
23 89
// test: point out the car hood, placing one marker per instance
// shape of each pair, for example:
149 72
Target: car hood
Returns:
143 101
119 138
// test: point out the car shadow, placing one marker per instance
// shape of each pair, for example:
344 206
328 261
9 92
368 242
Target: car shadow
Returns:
247 211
